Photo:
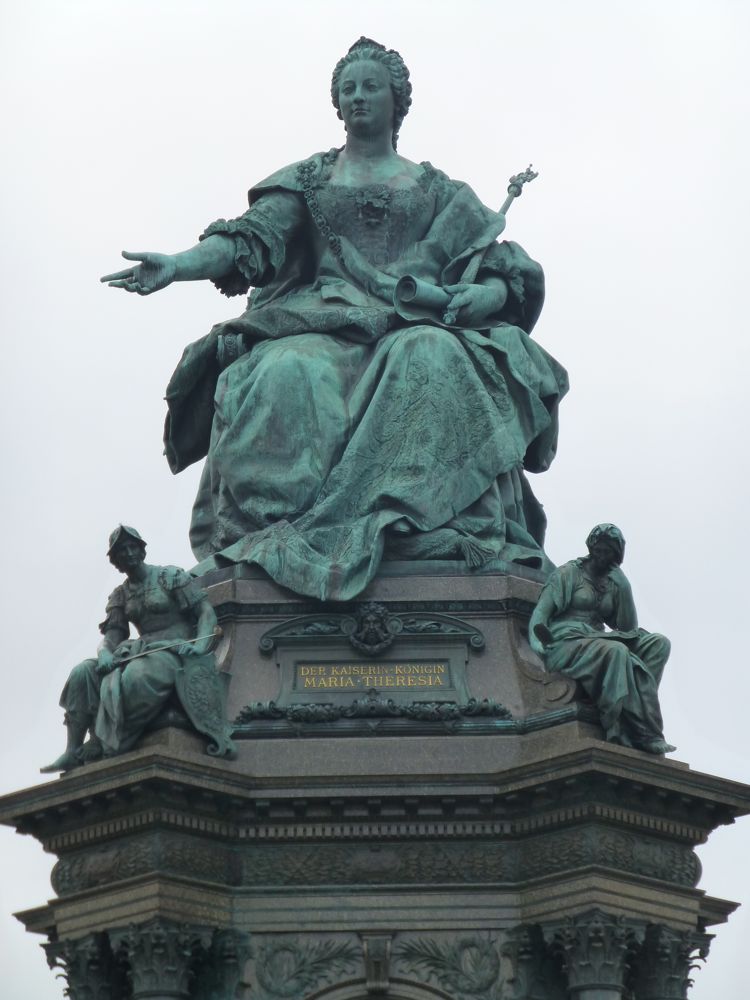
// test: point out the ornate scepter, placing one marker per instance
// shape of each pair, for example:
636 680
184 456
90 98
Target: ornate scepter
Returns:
413 294
515 187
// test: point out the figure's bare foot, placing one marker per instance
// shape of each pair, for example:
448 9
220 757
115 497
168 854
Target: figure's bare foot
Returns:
65 762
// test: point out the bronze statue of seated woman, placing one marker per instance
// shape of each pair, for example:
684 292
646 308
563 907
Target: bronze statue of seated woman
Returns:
337 430
585 626
116 696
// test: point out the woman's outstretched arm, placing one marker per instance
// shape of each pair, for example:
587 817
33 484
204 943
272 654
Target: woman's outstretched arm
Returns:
211 258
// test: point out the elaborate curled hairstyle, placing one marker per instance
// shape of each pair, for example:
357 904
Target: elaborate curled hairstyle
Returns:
610 533
366 48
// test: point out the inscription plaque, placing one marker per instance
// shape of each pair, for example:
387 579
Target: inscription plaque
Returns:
385 675
336 658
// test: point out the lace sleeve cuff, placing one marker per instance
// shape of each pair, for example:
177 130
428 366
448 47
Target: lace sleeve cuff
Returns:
237 281
524 279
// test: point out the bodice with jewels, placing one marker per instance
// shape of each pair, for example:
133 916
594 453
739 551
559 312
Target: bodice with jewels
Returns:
382 222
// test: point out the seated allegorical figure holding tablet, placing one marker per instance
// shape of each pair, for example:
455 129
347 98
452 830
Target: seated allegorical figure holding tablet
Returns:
117 695
585 626
337 429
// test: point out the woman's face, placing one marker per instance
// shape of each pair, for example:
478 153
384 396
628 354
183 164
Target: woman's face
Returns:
603 554
366 98
128 554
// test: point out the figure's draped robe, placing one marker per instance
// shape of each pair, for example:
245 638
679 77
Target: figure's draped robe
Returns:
343 433
620 668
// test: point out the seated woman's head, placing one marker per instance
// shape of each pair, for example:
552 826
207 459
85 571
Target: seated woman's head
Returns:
365 49
126 548
606 543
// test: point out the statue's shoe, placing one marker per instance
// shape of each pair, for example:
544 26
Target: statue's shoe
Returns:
658 747
65 762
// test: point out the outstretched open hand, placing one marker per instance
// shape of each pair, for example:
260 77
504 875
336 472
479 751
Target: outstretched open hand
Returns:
155 271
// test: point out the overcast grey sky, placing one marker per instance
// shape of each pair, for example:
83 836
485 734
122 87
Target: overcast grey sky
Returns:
134 125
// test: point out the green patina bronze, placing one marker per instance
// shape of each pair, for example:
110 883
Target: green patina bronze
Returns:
343 419
117 695
619 668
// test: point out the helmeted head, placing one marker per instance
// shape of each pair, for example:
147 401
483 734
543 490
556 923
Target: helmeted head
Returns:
366 48
607 536
122 540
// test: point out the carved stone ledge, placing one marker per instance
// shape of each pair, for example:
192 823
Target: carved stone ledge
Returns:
164 852
381 854
370 628
506 607
373 706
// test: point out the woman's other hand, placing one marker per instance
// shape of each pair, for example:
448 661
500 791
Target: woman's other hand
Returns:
205 645
105 662
473 305
155 271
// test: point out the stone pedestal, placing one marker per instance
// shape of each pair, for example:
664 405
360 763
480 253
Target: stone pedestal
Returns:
432 818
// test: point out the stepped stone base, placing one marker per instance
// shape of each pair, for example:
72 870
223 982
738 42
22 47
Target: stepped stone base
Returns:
465 835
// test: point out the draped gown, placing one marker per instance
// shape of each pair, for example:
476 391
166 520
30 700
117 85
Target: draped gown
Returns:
336 431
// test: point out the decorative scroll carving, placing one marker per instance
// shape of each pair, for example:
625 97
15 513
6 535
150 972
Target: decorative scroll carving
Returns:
664 962
285 968
468 967
371 628
88 968
162 958
376 949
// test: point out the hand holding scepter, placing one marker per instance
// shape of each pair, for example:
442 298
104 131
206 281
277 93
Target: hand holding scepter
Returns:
412 294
